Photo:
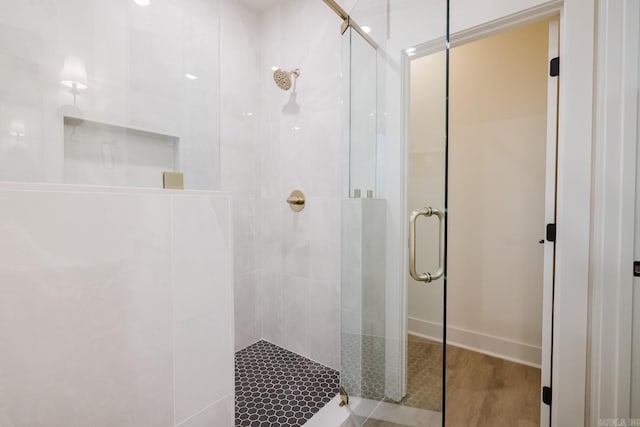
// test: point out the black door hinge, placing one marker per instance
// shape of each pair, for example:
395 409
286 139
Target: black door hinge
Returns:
551 233
636 268
554 67
546 395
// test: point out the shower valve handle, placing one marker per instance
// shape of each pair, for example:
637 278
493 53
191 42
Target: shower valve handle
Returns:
295 200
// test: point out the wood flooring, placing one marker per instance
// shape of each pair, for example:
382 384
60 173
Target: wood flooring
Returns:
482 391
486 391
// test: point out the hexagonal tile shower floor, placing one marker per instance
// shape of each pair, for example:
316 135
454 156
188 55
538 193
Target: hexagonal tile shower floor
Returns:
275 387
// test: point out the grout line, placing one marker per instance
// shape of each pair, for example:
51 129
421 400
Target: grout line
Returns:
231 247
291 351
249 345
211 405
173 305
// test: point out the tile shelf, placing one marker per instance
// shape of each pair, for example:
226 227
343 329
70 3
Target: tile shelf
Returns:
102 153
69 117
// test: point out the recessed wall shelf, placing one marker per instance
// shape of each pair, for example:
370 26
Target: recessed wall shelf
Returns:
102 153
74 118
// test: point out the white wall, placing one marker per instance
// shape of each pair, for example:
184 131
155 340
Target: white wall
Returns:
287 264
136 60
467 14
115 308
497 151
240 154
300 137
126 293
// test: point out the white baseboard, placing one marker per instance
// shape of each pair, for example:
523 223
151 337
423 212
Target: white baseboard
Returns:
502 348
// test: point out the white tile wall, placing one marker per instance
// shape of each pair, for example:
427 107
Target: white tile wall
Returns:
270 306
115 306
301 150
239 59
246 332
297 140
203 303
221 413
240 154
296 318
136 60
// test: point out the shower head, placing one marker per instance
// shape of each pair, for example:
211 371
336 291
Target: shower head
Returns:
283 78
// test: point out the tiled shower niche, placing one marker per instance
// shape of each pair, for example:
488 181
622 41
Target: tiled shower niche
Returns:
106 154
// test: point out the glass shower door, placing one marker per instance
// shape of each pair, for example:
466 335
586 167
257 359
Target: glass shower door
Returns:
426 209
390 377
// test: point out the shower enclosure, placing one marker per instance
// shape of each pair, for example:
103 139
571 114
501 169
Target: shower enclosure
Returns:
395 220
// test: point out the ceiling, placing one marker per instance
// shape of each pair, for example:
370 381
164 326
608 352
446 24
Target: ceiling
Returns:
260 5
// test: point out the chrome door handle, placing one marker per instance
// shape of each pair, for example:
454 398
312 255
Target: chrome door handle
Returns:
425 277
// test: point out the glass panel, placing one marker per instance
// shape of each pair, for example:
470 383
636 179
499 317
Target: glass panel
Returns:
363 321
109 92
393 379
363 116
